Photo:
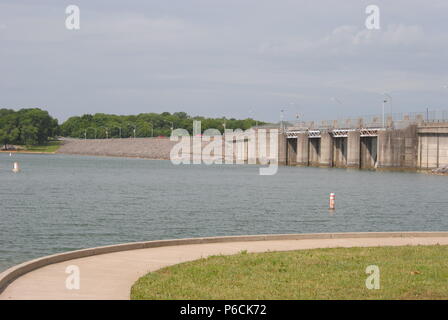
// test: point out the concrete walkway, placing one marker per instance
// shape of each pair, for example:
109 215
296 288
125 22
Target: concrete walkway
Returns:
111 275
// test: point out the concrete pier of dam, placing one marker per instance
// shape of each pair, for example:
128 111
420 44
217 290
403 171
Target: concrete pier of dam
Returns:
406 144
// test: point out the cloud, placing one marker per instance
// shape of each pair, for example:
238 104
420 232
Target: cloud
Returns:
217 58
142 30
347 40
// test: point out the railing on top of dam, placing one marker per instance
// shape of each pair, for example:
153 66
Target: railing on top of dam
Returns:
391 120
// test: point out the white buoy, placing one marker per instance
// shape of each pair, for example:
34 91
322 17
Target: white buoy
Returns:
10 154
16 167
332 201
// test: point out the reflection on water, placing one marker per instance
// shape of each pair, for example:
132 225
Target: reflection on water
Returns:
59 202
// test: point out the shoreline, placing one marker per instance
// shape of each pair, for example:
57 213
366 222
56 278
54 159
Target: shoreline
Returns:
111 156
160 149
403 170
28 152
122 264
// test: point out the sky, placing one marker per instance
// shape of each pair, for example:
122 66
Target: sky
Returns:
233 58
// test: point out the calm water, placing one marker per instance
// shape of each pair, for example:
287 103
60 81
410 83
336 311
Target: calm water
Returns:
59 202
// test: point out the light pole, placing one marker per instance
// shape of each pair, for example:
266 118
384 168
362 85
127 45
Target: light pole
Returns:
152 129
106 131
130 124
389 99
281 120
296 107
252 113
386 98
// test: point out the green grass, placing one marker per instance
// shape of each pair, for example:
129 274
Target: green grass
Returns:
50 147
408 272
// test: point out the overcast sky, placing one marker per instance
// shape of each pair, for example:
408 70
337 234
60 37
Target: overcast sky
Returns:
233 58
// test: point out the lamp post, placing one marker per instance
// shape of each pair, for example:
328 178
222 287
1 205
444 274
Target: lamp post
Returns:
281 120
296 107
152 129
389 100
252 113
134 128
106 131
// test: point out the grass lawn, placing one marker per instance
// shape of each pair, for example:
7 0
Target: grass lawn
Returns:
408 272
50 147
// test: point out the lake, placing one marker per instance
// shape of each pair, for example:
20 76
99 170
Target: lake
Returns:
64 202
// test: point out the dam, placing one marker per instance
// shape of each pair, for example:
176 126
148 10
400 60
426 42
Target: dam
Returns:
411 143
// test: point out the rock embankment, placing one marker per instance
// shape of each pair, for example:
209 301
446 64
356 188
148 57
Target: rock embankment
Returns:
441 170
151 148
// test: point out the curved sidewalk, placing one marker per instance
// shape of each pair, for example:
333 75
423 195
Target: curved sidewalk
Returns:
109 272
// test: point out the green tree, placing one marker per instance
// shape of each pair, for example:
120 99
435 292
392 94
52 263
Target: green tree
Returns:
26 126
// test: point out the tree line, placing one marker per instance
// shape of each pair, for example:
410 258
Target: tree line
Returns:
35 126
103 126
26 127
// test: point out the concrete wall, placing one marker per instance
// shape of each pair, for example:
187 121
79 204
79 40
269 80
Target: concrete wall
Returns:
340 152
433 150
416 146
314 152
398 148
282 149
292 152
432 146
353 149
368 149
326 149
302 149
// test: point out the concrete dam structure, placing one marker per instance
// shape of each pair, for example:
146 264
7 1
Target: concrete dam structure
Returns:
406 144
